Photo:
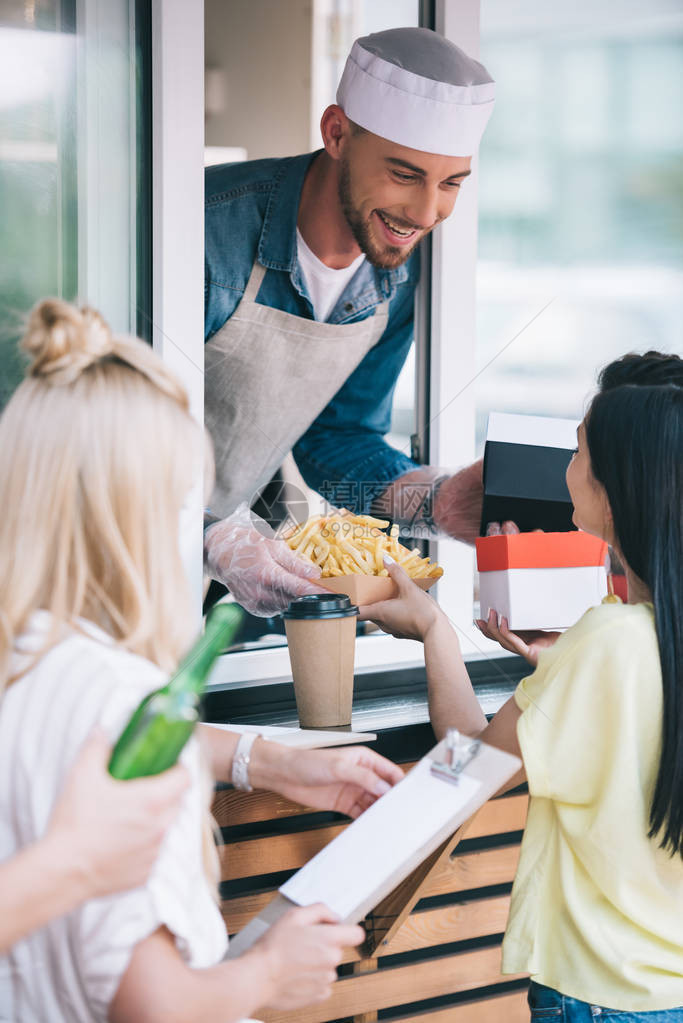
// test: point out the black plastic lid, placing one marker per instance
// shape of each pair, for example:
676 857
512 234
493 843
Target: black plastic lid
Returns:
321 605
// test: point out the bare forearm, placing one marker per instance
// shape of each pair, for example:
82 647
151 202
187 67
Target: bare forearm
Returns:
452 701
223 993
37 885
219 746
267 764
158 988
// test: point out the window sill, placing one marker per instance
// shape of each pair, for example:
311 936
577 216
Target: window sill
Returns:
385 701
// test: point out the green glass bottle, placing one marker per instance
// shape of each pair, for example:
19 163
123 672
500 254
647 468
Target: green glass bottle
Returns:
158 729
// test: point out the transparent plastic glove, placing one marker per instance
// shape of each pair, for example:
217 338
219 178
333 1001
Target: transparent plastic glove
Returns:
260 571
457 508
504 528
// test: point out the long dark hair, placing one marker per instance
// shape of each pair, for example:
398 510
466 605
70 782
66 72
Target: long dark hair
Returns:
634 433
649 370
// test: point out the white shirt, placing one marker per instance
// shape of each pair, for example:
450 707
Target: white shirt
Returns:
69 971
325 285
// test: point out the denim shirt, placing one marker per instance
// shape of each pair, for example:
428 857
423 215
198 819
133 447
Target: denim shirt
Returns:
251 212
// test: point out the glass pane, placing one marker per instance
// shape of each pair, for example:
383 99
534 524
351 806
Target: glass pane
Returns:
581 206
300 46
73 164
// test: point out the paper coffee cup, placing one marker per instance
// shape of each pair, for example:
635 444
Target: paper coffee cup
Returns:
321 637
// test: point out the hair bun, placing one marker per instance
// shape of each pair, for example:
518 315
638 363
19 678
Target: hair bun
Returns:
62 340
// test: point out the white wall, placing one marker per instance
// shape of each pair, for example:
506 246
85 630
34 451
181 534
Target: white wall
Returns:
263 48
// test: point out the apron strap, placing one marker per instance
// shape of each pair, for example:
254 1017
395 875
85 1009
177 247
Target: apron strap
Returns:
258 272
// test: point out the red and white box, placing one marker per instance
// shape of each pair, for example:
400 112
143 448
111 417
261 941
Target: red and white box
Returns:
541 580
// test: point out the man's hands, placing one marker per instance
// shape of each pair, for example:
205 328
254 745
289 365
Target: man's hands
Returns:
261 572
502 528
457 509
347 780
109 830
301 953
430 500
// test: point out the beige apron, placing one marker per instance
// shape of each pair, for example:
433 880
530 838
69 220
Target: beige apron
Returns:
268 375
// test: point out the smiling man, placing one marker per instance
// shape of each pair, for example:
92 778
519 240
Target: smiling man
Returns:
311 270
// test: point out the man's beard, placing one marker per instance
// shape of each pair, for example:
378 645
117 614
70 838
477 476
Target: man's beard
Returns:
387 257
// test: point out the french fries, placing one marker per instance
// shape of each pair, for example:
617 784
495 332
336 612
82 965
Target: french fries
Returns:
346 544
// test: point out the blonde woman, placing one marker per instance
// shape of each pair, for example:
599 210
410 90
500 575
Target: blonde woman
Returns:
103 837
97 454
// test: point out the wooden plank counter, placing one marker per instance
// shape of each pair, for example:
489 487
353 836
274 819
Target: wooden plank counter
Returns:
443 963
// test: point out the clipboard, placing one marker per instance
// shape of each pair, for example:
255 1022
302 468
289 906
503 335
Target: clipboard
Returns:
382 859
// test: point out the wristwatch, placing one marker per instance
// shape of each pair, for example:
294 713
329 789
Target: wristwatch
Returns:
240 761
425 511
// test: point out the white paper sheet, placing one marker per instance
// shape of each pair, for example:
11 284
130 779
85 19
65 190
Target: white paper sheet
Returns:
301 738
540 431
380 841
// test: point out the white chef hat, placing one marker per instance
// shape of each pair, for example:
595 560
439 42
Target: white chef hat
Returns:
413 87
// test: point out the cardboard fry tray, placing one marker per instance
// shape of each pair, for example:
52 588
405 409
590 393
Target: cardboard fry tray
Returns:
367 589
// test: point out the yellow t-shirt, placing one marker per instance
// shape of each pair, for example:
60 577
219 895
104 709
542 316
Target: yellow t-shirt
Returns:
597 907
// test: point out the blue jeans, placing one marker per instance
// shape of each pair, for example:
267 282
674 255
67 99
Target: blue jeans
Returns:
551 1007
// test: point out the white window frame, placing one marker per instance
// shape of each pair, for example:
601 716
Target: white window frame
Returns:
106 126
453 354
178 225
178 303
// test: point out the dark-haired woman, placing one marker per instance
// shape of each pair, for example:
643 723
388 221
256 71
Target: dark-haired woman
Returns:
597 906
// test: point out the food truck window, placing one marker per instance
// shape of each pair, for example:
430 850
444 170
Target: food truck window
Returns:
580 203
270 71
75 172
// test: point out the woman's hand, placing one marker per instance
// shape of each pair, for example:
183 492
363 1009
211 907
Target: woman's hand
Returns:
528 644
294 964
346 780
302 951
408 615
110 831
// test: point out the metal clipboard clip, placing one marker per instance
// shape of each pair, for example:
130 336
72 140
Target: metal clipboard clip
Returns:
460 750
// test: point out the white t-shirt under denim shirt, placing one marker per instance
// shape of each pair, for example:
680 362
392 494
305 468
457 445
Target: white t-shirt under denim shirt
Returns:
69 971
325 284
